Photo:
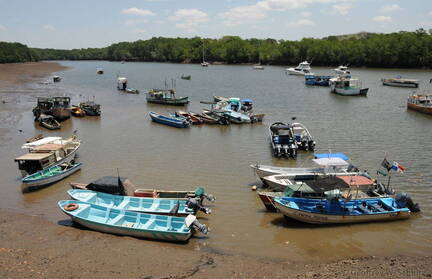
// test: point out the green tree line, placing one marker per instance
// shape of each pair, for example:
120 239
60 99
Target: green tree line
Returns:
16 52
399 49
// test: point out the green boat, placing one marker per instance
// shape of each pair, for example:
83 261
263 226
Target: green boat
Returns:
165 97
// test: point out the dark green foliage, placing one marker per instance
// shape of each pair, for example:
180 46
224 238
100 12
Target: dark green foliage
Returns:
401 49
16 52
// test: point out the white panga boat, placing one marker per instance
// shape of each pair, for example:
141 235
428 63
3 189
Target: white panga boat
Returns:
302 69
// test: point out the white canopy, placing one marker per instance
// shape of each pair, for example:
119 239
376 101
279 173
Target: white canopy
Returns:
40 142
338 162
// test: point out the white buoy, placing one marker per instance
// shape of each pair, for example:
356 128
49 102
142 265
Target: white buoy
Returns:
254 188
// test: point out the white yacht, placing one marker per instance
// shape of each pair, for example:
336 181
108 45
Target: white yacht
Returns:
342 70
302 69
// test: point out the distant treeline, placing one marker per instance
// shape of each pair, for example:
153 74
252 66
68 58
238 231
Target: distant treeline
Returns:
401 49
16 52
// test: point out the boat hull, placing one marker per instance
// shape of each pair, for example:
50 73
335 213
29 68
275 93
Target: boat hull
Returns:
30 185
400 84
168 121
427 110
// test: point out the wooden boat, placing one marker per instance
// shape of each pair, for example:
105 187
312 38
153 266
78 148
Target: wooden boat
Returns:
59 107
193 118
175 207
47 152
334 211
219 118
421 103
136 224
303 137
205 118
77 111
282 140
132 91
90 108
186 77
257 117
165 97
170 121
35 138
400 82
49 176
49 122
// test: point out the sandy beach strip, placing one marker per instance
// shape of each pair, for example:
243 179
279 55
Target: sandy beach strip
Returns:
32 247
19 73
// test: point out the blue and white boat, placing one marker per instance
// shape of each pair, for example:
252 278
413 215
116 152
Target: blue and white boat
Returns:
339 210
49 176
170 121
136 224
175 207
317 80
231 108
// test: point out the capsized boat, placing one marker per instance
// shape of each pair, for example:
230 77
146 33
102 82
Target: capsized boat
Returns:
175 207
326 166
347 86
302 69
165 97
302 137
340 210
47 152
400 82
49 122
170 121
282 140
49 176
136 224
421 103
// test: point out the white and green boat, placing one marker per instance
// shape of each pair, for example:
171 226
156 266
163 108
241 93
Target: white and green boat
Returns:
49 176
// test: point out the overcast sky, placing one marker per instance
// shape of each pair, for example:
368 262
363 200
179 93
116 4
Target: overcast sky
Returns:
97 23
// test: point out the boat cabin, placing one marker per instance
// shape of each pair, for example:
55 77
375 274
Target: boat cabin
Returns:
34 162
423 100
161 94
282 134
61 102
122 83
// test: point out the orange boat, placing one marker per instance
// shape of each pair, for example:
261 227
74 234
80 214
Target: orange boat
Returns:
421 103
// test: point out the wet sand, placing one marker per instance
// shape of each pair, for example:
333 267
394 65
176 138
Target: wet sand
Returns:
19 73
31 247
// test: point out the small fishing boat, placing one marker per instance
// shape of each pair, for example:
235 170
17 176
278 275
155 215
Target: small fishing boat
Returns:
340 210
233 109
220 99
218 118
59 107
400 82
282 140
132 91
302 137
90 108
204 118
257 117
170 121
342 70
258 67
56 78
136 224
122 83
49 122
193 118
174 207
347 86
317 80
77 111
49 176
421 103
165 97
186 77
99 71
302 69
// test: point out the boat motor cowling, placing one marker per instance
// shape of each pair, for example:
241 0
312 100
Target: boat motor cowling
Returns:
404 200
191 221
195 204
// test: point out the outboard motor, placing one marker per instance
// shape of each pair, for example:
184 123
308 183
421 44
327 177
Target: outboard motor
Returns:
191 221
195 204
199 192
404 200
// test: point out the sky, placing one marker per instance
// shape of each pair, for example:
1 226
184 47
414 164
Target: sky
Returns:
68 24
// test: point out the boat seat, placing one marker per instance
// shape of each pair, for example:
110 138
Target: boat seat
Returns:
377 208
363 209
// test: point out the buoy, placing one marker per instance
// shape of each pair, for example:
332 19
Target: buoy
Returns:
254 188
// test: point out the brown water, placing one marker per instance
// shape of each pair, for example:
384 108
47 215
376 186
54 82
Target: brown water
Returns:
218 157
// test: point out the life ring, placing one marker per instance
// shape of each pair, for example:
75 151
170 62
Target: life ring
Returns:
70 206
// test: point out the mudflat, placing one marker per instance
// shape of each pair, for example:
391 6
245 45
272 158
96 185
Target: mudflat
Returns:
19 73
32 247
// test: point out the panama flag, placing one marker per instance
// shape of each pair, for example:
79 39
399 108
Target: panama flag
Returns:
397 167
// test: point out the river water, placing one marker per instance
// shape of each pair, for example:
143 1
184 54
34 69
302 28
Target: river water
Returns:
218 157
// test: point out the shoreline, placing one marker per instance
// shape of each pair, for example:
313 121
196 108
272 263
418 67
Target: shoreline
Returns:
21 73
31 246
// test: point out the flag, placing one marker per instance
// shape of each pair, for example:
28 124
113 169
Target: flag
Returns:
386 164
397 167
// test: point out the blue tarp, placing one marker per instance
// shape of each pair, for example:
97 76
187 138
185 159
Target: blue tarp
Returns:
331 155
247 101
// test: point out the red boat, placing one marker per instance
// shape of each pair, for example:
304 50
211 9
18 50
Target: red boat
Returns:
421 103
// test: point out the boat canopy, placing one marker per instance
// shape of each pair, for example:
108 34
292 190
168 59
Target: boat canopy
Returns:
356 180
332 155
33 157
337 162
48 147
40 142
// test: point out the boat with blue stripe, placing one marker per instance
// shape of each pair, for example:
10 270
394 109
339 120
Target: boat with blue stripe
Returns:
130 223
175 207
340 210
170 121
